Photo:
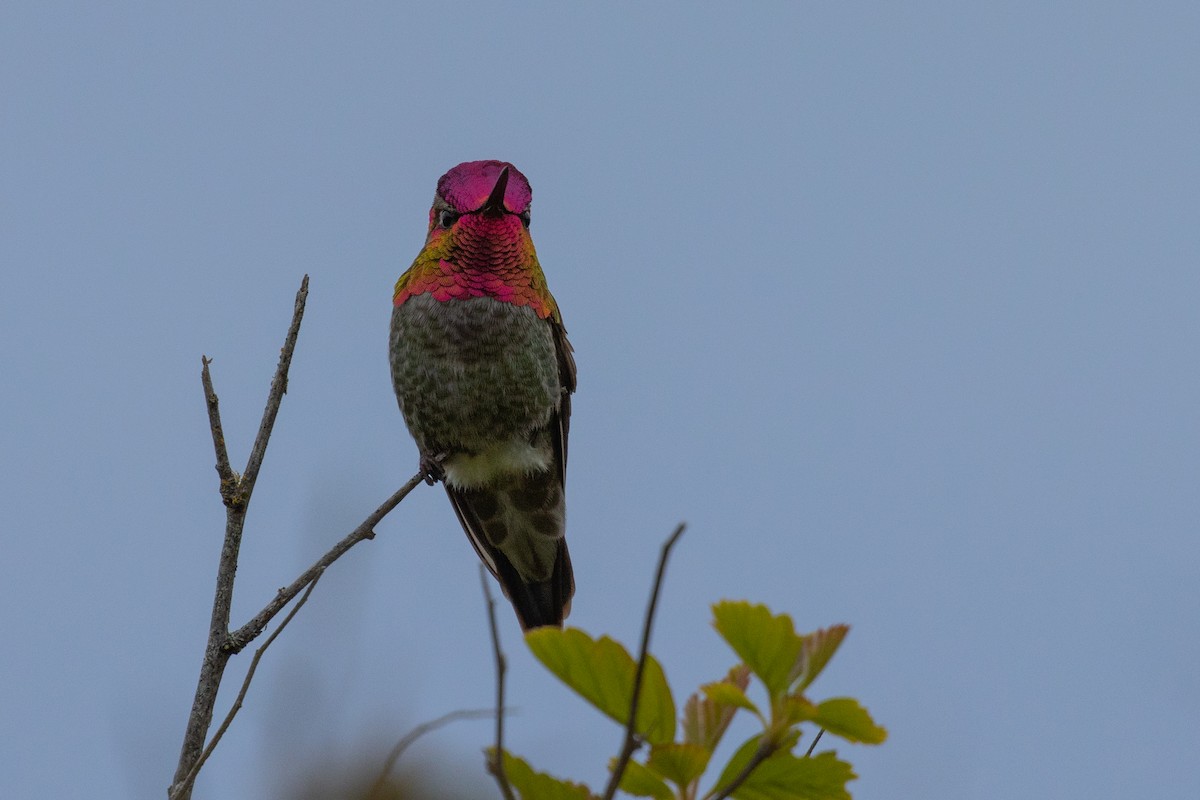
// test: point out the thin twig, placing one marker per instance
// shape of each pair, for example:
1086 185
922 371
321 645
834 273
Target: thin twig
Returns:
816 739
235 494
278 389
238 639
416 733
237 704
224 471
234 642
631 739
496 763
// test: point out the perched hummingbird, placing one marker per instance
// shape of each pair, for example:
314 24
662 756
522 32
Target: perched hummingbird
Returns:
484 375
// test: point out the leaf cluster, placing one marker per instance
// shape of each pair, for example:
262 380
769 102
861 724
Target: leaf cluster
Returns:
765 767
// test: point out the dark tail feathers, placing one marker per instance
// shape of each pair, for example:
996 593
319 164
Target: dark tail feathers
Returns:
538 604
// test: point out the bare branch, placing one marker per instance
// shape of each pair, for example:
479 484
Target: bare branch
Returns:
631 738
416 733
496 763
235 494
237 704
816 739
230 643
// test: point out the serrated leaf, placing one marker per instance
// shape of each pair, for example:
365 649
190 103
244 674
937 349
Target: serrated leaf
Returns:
725 694
533 785
705 719
784 776
639 781
602 672
679 763
816 649
766 642
841 716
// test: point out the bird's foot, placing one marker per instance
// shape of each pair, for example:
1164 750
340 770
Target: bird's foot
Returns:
431 467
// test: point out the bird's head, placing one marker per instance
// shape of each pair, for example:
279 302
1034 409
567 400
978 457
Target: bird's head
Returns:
481 199
478 242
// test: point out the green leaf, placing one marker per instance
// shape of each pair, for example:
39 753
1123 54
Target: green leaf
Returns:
815 651
749 748
731 690
841 716
784 776
679 763
533 785
638 781
602 672
766 642
705 719
726 694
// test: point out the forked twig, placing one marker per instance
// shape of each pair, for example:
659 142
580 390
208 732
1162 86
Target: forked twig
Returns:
496 763
631 739
237 704
235 494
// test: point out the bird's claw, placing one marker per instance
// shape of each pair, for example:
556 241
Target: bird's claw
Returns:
431 467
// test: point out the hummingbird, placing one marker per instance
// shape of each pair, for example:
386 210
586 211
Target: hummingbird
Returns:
484 375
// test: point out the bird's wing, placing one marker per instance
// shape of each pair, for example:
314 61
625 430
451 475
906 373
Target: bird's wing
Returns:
560 423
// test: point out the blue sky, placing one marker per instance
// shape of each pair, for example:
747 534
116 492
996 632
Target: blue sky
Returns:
895 306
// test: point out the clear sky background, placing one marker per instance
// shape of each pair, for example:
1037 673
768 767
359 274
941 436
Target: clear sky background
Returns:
895 305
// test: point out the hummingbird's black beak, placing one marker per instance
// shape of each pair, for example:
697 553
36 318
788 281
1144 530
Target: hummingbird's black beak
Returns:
494 206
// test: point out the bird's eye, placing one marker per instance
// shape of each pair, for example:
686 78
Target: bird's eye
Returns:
446 218
525 218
